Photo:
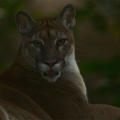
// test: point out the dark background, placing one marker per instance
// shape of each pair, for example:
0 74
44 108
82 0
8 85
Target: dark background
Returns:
97 36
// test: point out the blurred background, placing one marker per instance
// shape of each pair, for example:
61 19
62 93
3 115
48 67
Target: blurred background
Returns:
97 36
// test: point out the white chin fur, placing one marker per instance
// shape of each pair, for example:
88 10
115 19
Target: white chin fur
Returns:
51 78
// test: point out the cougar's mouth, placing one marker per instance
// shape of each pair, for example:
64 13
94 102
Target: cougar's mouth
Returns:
50 73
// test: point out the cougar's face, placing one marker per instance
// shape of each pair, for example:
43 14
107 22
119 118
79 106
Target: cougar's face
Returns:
47 43
47 50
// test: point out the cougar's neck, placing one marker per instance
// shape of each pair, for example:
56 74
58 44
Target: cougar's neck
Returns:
72 74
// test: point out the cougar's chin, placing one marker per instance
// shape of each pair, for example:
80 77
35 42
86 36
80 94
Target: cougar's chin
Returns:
51 76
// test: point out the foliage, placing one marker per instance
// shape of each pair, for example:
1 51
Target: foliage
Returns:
8 9
109 75
107 70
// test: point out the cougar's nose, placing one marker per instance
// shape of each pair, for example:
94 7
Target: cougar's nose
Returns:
50 62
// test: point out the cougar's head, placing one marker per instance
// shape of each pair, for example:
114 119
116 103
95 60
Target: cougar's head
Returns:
48 44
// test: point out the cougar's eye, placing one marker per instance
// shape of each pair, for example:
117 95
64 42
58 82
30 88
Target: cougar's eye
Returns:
60 42
37 43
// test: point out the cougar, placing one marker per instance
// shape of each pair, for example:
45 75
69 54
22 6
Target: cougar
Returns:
44 82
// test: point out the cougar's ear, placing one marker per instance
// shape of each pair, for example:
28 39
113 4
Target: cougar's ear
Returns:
67 16
24 22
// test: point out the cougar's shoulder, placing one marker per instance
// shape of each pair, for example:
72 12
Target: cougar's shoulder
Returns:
9 111
15 104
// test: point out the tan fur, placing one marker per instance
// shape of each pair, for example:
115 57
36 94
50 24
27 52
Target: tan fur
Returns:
26 95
